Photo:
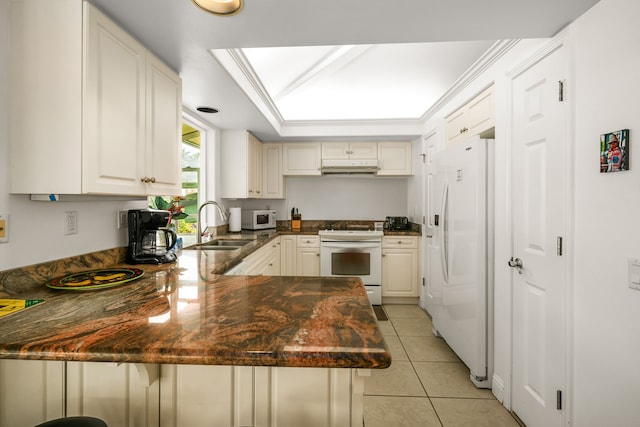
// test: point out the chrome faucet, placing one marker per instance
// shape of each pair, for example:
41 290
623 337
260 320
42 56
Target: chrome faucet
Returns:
223 215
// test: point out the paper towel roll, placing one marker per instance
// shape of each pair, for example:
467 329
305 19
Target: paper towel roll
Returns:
234 219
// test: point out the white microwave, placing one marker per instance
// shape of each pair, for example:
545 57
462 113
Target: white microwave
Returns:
258 219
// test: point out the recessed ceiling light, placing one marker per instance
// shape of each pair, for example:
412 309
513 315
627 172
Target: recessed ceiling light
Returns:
220 7
207 110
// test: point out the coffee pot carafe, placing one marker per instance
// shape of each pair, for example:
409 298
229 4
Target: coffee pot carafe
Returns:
150 239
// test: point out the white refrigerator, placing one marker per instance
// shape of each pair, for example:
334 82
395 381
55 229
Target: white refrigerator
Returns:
459 288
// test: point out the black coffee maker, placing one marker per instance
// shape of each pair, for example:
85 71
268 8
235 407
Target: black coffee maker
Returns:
150 239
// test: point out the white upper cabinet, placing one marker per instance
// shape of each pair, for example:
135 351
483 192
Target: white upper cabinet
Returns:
349 150
301 158
475 118
241 165
272 178
107 112
394 158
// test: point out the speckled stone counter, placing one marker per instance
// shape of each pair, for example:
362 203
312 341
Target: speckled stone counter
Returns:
187 313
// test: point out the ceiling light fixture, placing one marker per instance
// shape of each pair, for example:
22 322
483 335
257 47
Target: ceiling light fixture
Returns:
220 7
207 110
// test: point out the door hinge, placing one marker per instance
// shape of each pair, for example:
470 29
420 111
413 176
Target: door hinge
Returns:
423 282
559 246
424 220
560 90
424 157
559 400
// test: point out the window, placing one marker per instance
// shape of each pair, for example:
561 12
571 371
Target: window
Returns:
185 207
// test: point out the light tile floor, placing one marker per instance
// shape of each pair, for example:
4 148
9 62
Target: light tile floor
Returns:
427 384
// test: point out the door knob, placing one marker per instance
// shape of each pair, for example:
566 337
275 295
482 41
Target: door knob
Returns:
516 263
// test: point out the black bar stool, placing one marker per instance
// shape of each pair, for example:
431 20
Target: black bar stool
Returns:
74 422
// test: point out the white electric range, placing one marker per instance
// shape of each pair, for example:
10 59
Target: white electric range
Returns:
354 253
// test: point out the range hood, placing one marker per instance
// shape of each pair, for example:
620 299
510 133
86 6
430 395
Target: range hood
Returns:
349 166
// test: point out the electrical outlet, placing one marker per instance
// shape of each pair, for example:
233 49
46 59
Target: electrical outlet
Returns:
4 228
122 220
71 223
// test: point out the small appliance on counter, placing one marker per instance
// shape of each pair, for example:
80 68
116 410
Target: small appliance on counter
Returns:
258 219
235 220
150 239
397 223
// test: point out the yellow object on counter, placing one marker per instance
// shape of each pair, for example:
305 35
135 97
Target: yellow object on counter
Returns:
8 306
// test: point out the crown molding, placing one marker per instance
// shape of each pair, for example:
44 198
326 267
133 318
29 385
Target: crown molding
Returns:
495 52
239 68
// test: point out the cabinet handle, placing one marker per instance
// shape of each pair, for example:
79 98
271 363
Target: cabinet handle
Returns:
384 255
463 130
153 179
399 242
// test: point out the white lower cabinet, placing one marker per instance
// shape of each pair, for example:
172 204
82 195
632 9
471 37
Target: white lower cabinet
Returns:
308 255
265 261
400 266
31 392
135 395
288 249
124 394
235 396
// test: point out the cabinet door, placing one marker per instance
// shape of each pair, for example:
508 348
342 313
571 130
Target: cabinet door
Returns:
288 255
363 150
31 392
394 158
308 397
116 393
335 150
400 273
272 179
480 112
234 164
114 121
255 167
275 262
46 96
308 261
198 396
456 125
163 136
301 158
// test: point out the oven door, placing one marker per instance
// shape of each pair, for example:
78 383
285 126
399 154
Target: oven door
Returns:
361 259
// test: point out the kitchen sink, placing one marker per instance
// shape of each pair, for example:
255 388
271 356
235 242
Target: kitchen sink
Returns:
228 242
221 245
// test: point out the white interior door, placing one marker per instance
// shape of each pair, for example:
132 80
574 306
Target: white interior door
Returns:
539 220
431 294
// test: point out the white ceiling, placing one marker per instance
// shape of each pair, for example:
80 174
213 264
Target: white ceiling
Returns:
406 54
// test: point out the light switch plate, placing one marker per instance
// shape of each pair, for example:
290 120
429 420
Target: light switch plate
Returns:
4 228
71 223
634 273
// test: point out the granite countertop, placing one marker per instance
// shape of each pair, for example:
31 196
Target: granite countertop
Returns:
188 313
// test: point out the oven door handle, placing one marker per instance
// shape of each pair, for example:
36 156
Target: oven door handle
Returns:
350 245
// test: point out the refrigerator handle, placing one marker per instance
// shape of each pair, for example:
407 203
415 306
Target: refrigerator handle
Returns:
444 233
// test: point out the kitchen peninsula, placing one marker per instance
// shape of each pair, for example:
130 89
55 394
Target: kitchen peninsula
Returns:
193 346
